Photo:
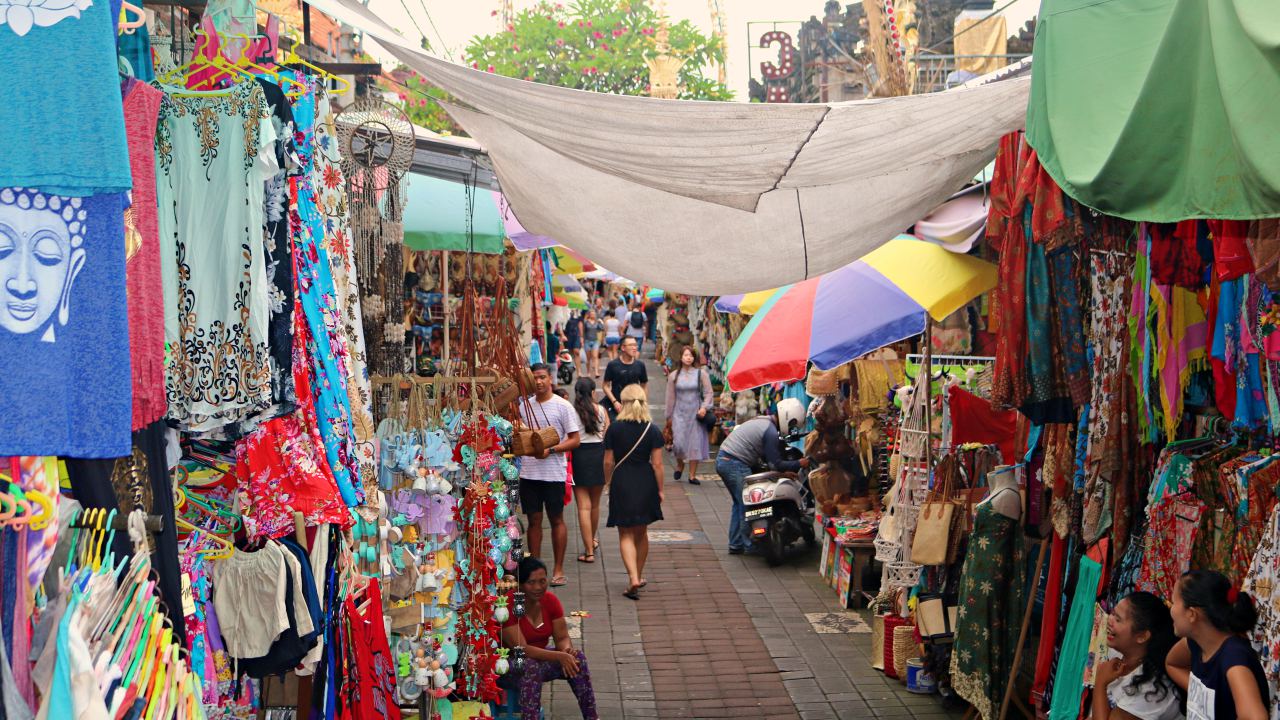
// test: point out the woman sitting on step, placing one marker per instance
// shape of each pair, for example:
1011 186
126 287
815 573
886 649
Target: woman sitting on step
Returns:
544 636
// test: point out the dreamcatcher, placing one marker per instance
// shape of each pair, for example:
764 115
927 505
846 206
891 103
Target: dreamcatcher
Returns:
377 142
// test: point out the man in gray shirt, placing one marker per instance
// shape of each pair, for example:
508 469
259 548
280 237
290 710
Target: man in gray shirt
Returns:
751 444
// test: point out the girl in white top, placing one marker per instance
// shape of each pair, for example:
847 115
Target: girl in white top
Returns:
1134 683
612 336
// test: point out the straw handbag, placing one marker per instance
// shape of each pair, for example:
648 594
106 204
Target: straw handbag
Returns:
821 382
933 527
534 441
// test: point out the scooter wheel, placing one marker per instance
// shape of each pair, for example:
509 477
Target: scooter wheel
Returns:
775 547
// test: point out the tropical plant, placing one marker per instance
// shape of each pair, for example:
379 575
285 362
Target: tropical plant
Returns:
598 45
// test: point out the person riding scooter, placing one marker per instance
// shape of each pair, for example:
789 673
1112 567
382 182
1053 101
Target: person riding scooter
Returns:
751 446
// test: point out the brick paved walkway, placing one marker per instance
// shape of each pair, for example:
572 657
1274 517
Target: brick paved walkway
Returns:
716 635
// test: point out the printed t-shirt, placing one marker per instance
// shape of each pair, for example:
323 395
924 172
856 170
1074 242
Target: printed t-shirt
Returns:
541 635
62 129
559 414
1208 692
64 325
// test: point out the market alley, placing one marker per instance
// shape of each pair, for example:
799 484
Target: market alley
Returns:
716 635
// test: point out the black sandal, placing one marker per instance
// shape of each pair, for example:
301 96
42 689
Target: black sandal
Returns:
632 593
587 557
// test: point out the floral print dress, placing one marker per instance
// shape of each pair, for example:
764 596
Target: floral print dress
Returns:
327 346
1263 583
991 598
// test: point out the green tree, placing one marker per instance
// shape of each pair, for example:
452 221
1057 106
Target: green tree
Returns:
417 98
598 45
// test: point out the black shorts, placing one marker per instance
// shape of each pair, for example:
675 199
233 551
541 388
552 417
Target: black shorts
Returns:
540 496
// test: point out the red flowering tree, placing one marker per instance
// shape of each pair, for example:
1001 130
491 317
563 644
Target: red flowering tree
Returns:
598 45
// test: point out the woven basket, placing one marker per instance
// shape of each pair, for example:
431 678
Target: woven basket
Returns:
821 382
887 550
891 624
904 648
903 573
877 641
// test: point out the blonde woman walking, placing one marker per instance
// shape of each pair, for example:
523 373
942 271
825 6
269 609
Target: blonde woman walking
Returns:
633 473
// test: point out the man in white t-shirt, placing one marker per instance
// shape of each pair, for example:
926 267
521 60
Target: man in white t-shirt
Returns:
542 479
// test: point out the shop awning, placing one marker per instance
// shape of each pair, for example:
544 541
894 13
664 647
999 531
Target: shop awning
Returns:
715 198
435 216
1160 110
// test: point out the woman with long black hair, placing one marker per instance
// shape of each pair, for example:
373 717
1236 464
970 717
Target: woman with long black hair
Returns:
588 465
1135 683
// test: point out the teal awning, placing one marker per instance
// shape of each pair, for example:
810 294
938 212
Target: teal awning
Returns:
435 216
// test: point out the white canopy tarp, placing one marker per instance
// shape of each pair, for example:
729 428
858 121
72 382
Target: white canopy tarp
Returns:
715 198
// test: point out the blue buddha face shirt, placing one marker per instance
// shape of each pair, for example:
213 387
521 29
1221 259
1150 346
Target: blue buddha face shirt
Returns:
64 332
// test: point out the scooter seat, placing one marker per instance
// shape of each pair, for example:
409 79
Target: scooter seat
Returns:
760 477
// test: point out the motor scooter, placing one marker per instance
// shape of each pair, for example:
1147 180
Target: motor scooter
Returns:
779 506
566 369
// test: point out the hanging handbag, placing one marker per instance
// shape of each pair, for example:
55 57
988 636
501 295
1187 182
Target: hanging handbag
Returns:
935 619
933 528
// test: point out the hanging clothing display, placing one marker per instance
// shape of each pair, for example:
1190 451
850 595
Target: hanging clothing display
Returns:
47 148
142 253
65 374
215 144
991 598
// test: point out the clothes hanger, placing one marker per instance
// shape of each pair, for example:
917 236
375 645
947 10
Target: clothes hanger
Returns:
291 58
127 26
229 520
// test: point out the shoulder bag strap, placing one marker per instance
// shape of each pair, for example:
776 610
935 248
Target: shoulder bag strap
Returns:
633 447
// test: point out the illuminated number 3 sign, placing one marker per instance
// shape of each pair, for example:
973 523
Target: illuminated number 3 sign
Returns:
774 75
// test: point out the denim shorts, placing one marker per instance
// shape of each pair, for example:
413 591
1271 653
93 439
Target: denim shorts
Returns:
612 341
593 345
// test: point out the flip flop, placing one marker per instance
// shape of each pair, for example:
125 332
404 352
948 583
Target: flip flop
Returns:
587 558
559 581
632 593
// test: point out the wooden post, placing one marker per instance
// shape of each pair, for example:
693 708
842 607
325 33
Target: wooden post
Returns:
1022 635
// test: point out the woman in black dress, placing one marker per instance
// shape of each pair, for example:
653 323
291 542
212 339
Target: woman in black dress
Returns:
633 473
588 465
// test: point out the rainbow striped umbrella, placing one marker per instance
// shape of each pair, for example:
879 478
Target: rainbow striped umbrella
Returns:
744 303
865 305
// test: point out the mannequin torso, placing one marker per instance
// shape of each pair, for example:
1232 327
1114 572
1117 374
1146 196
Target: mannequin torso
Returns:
1004 496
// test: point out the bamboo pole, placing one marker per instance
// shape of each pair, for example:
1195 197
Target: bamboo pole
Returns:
1022 635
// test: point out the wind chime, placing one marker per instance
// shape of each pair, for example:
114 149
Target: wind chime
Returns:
377 143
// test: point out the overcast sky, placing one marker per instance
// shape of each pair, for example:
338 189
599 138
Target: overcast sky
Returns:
456 21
